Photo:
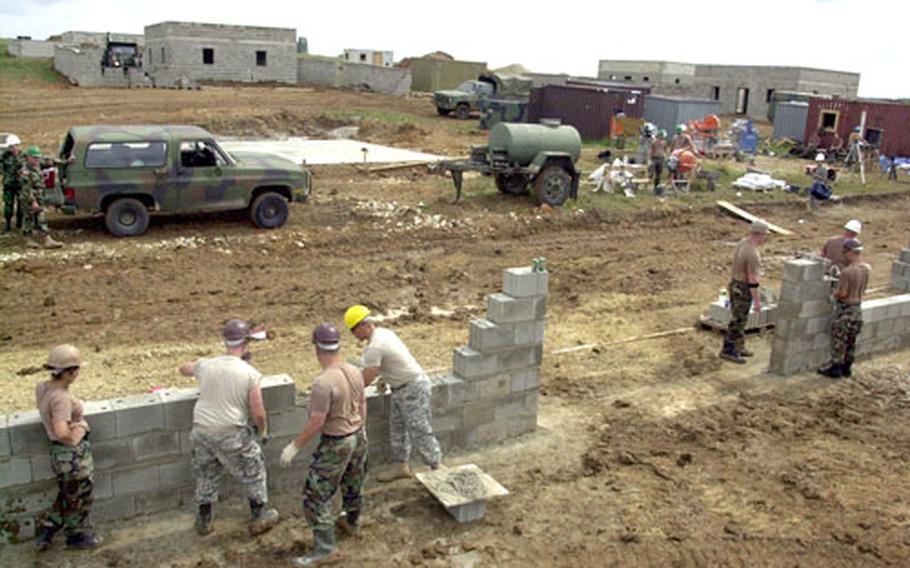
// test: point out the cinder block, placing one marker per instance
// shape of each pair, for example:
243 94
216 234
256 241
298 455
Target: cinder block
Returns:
104 486
521 425
815 309
874 313
485 336
178 407
477 413
904 255
495 387
27 434
278 392
138 414
899 268
462 392
524 282
176 474
448 421
4 437
136 480
20 528
156 501
41 467
818 358
803 270
520 358
377 404
440 392
525 380
869 331
471 364
491 433
290 422
114 509
821 341
156 444
16 471
528 333
818 325
502 308
792 292
114 453
102 420
513 406
886 328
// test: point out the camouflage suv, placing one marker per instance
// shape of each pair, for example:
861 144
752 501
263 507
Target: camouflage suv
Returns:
125 172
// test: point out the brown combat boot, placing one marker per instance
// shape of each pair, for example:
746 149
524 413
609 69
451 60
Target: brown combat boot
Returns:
741 348
50 243
29 243
395 471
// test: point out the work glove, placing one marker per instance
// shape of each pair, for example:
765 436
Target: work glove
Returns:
381 386
288 454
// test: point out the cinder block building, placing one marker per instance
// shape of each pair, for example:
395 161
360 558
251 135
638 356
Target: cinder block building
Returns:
181 51
742 89
369 56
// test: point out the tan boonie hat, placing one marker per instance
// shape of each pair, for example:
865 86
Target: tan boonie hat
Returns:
759 228
63 357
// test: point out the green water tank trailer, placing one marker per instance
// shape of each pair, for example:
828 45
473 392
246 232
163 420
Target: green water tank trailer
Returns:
522 143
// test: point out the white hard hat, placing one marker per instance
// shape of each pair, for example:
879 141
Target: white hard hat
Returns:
13 140
854 226
820 157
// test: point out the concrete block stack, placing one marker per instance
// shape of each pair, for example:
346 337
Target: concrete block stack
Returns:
497 375
900 272
802 337
802 328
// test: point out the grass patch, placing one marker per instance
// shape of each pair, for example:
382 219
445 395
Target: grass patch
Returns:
25 70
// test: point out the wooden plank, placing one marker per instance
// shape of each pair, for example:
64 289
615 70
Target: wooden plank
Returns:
726 205
626 340
400 166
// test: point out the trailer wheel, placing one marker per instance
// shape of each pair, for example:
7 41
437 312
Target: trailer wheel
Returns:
553 186
463 111
512 184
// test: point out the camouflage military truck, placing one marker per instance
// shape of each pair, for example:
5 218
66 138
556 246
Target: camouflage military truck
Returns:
126 172
468 97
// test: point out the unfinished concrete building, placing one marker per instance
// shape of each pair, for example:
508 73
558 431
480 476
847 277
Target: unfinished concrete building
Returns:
178 52
742 89
369 57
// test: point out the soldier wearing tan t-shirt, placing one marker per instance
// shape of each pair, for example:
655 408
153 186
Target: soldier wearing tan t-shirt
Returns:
833 249
743 292
847 321
338 413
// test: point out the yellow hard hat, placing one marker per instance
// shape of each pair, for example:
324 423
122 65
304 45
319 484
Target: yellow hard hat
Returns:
355 315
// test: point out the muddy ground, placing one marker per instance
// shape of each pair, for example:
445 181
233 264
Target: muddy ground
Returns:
652 452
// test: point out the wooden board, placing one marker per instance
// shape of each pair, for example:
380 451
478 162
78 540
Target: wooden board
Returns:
726 205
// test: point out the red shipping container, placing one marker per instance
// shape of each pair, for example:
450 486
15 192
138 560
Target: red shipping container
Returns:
889 121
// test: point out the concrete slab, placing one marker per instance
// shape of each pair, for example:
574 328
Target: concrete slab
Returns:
461 485
328 152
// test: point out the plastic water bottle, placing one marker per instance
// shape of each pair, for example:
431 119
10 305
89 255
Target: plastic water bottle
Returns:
723 298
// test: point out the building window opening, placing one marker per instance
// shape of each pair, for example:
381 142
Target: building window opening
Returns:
208 56
261 58
715 93
676 81
163 60
627 78
363 57
742 100
828 120
769 95
645 78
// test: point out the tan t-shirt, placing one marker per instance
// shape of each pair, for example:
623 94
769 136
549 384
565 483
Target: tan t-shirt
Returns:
853 282
397 366
57 404
338 392
224 388
746 260
834 251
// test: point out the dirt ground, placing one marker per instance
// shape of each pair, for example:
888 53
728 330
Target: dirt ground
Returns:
649 453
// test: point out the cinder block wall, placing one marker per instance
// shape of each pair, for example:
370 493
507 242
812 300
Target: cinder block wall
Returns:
900 272
234 48
331 74
30 48
82 66
318 72
141 443
802 335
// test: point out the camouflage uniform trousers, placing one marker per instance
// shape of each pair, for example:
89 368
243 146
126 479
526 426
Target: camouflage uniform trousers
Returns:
410 421
11 205
32 190
239 453
75 469
740 303
338 462
845 327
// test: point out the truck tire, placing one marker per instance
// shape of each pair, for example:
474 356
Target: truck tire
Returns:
512 184
126 217
269 210
553 186
443 111
463 111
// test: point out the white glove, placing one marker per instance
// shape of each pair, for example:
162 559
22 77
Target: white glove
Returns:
287 454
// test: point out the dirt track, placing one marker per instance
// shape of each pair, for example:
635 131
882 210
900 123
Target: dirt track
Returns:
650 453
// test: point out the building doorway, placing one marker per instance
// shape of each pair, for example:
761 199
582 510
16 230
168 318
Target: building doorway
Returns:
742 100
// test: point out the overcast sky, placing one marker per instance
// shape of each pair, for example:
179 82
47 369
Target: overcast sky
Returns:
568 36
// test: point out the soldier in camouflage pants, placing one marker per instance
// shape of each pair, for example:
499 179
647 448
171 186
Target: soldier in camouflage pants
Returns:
74 468
239 453
338 463
31 198
740 303
12 166
845 327
410 421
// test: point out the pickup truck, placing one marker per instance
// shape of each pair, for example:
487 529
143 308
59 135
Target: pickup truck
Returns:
127 172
